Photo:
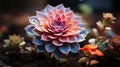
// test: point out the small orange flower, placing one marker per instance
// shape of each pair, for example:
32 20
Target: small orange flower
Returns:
108 16
92 49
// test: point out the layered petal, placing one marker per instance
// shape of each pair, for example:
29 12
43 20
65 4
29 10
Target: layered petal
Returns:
45 37
65 49
57 29
63 39
33 20
48 8
80 38
29 29
57 43
50 47
61 6
37 32
41 48
52 36
38 41
72 39
75 47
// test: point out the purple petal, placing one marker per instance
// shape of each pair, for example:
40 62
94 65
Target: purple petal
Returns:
50 47
63 39
38 41
61 6
57 43
29 29
77 18
45 37
33 20
75 47
65 49
67 10
84 33
82 25
80 38
72 39
48 8
41 15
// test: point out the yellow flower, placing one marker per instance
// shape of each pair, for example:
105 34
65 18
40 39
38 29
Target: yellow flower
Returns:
14 39
108 16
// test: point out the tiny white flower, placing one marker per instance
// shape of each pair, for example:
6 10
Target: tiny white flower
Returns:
100 25
22 43
92 41
95 31
29 48
107 28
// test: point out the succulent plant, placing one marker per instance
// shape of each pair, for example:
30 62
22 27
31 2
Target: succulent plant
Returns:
57 29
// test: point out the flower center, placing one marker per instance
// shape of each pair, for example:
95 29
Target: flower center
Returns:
58 26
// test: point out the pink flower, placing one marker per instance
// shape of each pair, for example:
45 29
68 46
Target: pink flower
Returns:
115 40
57 27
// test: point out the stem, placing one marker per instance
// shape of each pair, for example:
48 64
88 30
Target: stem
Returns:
89 63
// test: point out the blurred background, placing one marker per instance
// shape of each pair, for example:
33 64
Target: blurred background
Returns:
14 13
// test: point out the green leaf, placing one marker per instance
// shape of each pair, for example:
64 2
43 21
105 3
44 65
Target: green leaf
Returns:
102 45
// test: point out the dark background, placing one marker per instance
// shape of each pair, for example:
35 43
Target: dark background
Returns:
14 13
29 5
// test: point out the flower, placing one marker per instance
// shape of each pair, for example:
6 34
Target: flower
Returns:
3 29
14 41
92 49
92 40
57 30
108 16
115 40
100 25
14 44
95 32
